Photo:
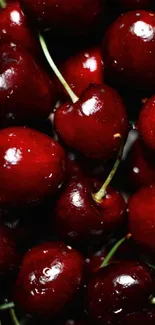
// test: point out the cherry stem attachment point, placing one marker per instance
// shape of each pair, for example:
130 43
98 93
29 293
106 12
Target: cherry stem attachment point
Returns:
7 306
14 317
114 250
70 92
3 4
101 193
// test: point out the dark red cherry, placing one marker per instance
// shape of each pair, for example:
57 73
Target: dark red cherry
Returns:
144 317
94 261
140 166
32 165
125 66
50 276
146 123
14 28
9 257
142 218
26 91
81 70
66 15
90 124
117 289
133 4
79 219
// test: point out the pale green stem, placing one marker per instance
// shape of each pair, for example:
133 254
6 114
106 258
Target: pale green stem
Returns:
14 317
7 306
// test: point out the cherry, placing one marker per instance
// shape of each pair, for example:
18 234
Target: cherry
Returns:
117 289
32 166
94 261
142 218
145 317
79 219
26 91
64 16
82 69
50 276
14 28
146 124
140 166
125 66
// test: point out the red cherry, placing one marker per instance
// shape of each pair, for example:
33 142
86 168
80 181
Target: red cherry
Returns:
50 276
90 124
69 16
32 166
26 91
81 70
140 166
125 66
14 28
146 123
79 219
119 288
94 261
142 218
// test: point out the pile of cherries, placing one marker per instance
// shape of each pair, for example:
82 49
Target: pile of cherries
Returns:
77 162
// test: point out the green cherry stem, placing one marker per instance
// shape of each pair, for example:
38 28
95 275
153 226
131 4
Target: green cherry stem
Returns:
2 4
14 317
70 92
101 193
114 250
7 306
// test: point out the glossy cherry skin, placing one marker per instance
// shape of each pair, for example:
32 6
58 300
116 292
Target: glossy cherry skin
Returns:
146 123
27 93
65 15
140 166
142 218
79 219
14 28
81 70
50 276
9 256
125 66
32 166
133 4
90 124
117 289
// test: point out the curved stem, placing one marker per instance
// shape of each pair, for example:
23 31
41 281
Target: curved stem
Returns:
70 92
101 193
7 306
14 317
114 250
2 4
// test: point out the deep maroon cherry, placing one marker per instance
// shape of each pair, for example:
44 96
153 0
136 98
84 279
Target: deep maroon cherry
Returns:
14 28
94 261
79 219
26 91
146 123
125 66
91 124
142 218
50 276
32 166
117 289
145 317
140 166
81 70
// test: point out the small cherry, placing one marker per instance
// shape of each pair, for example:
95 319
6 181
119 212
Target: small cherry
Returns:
94 261
123 65
100 108
146 123
32 166
81 70
14 28
50 276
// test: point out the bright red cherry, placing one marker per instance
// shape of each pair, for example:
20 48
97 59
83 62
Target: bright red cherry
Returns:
66 15
27 93
82 70
50 276
91 124
142 218
146 123
14 28
32 166
129 50
117 289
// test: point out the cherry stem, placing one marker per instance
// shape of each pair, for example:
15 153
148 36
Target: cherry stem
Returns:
70 92
3 4
101 193
14 317
7 306
114 250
